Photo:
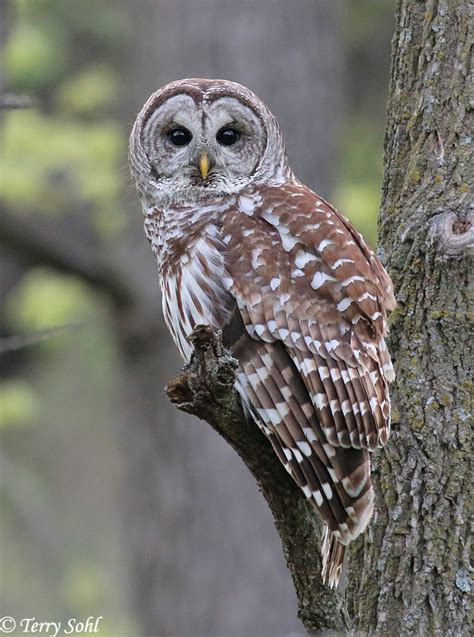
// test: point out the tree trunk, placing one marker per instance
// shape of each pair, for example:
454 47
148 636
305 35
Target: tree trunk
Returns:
205 558
410 571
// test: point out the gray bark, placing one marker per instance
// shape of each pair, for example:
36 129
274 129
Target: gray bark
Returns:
411 571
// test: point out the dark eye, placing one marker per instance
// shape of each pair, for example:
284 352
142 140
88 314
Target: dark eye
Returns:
227 136
179 136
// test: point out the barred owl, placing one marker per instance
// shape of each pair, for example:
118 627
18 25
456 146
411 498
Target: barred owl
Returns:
301 300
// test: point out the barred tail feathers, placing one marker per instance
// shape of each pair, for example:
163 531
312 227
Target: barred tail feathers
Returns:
333 553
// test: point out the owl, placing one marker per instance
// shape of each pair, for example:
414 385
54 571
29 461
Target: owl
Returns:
301 300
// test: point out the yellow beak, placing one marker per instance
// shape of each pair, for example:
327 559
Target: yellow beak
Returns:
204 165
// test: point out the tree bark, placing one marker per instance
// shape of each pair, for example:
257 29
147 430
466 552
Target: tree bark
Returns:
410 571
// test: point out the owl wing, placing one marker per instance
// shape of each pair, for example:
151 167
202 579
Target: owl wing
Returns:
312 300
302 275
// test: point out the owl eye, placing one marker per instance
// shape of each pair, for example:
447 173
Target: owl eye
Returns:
179 136
227 136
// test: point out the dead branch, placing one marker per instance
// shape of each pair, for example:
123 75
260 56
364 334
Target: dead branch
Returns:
206 389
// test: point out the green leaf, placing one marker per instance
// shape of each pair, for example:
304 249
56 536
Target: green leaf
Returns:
34 59
18 403
45 299
89 92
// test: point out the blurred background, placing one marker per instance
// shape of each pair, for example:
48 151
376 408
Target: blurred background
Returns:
113 503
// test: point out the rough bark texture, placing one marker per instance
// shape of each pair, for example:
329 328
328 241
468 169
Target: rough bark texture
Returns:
410 572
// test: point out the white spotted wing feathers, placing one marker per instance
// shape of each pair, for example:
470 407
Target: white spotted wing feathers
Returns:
315 368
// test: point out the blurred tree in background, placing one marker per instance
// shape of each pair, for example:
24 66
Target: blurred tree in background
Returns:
61 162
112 502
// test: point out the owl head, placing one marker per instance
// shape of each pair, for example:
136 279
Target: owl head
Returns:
200 139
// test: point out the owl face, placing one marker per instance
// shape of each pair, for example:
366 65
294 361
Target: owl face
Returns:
197 139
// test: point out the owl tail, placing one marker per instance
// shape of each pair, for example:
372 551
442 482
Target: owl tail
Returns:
333 557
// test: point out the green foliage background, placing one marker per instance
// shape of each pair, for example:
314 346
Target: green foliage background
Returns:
69 153
62 559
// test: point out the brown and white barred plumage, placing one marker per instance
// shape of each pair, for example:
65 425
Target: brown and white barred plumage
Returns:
302 302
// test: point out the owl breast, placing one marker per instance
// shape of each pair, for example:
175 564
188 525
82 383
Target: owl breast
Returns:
193 289
187 242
